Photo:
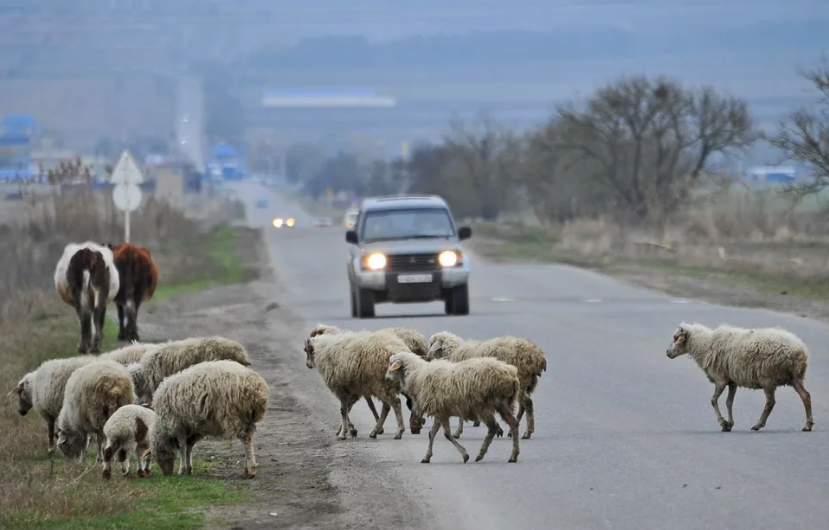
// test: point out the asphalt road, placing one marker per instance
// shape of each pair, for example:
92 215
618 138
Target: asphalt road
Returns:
625 438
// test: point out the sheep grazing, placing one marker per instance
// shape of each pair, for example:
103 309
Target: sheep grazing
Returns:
129 354
416 342
521 353
214 398
127 431
93 393
353 365
43 389
473 389
758 358
86 279
174 357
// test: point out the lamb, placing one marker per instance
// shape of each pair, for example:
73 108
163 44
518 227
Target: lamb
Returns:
521 353
416 342
93 393
43 389
126 431
476 388
213 398
130 354
353 364
174 357
756 358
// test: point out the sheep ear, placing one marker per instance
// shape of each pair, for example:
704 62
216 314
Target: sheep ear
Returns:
146 453
395 365
434 347
308 348
16 390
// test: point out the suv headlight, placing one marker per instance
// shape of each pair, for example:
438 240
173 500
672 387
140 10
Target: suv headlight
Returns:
375 261
449 258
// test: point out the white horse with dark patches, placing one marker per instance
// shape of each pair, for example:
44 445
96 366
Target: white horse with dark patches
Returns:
86 279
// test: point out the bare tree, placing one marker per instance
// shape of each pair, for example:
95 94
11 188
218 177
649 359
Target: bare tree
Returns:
804 137
646 139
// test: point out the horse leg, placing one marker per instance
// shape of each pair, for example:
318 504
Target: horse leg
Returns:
122 335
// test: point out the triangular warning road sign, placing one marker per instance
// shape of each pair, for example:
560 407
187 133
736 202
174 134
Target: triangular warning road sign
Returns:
126 171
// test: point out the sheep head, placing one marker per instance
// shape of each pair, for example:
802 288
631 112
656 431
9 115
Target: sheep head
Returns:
70 442
24 395
309 354
163 447
679 343
441 344
323 329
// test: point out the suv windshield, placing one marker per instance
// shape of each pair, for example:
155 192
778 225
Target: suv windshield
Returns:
407 224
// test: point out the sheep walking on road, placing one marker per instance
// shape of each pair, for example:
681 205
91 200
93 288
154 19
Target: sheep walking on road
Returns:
353 365
417 343
472 389
518 352
758 358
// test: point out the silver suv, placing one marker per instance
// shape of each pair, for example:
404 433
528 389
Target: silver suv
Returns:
407 249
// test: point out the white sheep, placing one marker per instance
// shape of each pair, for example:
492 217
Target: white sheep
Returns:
93 393
131 353
756 358
353 365
473 389
127 431
521 353
43 389
417 343
175 356
213 398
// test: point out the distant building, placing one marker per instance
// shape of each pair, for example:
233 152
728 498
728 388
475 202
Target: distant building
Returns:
771 174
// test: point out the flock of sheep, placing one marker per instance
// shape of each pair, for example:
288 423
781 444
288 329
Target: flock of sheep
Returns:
153 400
159 400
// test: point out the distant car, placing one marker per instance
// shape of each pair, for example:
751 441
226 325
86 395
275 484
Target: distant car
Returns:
350 218
261 203
323 221
407 249
279 222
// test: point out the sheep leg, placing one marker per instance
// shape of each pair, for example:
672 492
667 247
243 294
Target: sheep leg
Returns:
384 413
125 463
99 439
492 428
766 410
719 387
191 442
505 410
447 432
729 404
108 452
398 413
182 447
350 425
415 423
370 403
459 430
528 406
807 403
345 406
250 458
142 463
50 429
432 433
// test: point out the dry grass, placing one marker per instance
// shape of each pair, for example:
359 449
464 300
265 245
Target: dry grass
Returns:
754 237
36 325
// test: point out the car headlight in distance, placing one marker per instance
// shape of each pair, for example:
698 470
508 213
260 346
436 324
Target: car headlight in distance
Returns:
277 222
376 261
448 258
290 221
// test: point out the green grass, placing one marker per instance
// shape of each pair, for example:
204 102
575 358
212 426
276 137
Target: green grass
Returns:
222 251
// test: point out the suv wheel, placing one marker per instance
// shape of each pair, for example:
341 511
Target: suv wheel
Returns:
458 301
353 304
365 303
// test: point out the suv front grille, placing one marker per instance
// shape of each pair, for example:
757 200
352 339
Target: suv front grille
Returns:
411 262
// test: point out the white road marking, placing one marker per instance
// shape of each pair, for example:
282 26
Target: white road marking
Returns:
502 299
680 301
593 300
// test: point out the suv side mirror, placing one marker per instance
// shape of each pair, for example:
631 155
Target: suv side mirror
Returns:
351 237
464 232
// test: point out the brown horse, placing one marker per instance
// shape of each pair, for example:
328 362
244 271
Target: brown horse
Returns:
86 279
139 278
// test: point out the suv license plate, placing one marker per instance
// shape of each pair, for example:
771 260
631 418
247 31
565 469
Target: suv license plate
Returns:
414 278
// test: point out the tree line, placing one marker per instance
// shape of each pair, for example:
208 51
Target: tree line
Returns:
637 147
